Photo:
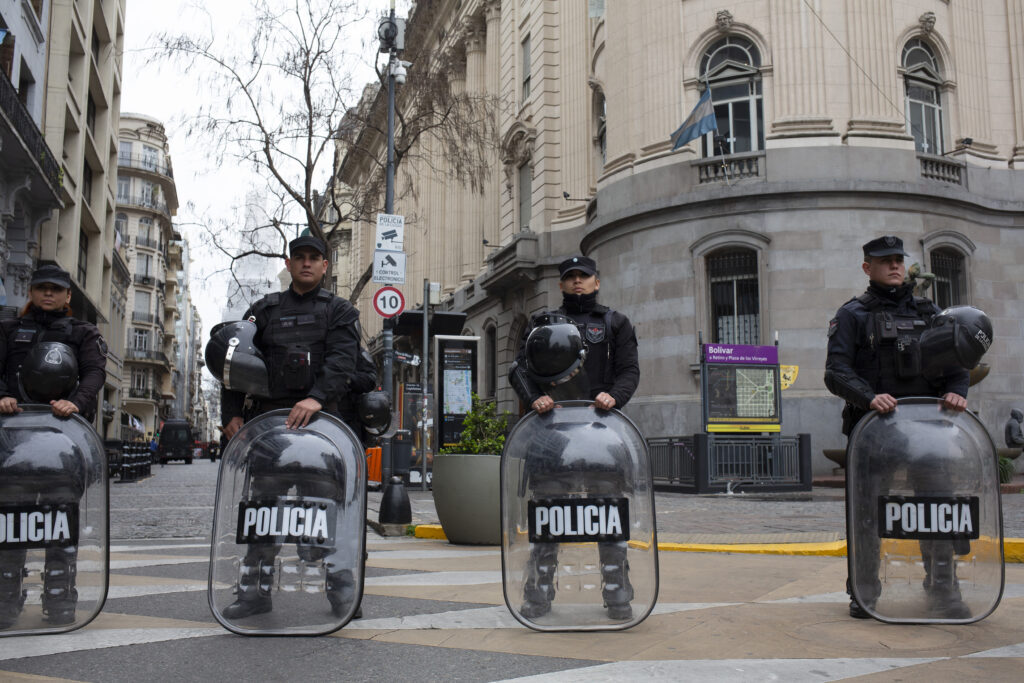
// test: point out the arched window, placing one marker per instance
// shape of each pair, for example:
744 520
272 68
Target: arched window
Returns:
921 81
734 296
950 284
731 68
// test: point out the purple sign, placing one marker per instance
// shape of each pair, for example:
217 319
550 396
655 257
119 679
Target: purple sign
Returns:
741 353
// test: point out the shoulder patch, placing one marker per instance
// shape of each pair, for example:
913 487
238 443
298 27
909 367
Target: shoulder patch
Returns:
833 325
102 346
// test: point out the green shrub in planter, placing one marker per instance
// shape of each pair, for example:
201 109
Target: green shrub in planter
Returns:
1005 470
483 430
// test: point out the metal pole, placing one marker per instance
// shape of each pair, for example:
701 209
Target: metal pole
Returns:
395 502
426 380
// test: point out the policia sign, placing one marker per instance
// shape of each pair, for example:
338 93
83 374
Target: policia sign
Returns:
38 526
571 520
280 520
928 518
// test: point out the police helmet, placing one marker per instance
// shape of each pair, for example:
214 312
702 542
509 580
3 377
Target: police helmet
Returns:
554 350
375 411
234 359
49 372
955 339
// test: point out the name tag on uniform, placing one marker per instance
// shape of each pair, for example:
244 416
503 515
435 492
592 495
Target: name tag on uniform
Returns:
573 520
286 521
38 526
928 517
22 336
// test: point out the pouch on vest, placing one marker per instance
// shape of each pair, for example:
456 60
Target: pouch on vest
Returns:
297 375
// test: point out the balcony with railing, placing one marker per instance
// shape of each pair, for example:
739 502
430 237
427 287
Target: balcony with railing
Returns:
943 169
149 280
147 242
140 317
730 168
144 163
20 123
144 393
141 201
146 355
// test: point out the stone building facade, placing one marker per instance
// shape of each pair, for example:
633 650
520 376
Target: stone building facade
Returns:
147 199
838 122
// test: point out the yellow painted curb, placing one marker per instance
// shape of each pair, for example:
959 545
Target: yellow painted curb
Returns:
1013 548
831 549
433 531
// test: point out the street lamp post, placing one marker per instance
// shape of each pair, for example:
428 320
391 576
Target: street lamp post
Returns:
394 506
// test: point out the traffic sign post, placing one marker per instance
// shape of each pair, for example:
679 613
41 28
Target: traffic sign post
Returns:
388 302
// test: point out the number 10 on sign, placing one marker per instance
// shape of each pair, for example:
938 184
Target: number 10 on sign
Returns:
388 302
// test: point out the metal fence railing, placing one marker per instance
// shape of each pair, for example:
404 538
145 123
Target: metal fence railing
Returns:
705 463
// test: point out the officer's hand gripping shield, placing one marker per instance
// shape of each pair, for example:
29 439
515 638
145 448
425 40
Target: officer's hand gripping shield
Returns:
579 545
288 529
924 520
54 524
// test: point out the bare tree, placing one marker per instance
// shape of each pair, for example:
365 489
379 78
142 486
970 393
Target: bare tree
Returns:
282 96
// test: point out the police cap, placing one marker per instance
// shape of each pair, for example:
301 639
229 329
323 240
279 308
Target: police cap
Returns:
308 241
884 246
51 274
585 265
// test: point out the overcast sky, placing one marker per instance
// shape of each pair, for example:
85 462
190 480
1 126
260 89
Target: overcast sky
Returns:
157 90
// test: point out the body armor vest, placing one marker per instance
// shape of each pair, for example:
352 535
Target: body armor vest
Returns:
890 358
22 334
294 343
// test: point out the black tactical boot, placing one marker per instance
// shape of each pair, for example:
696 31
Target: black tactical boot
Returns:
12 595
59 593
858 612
539 590
341 592
617 590
940 582
253 591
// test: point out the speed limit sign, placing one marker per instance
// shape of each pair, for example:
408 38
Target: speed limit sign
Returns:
388 302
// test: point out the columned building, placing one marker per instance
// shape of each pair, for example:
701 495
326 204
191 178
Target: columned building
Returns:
837 123
147 199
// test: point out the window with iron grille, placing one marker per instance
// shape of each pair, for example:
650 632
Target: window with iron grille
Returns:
734 293
950 285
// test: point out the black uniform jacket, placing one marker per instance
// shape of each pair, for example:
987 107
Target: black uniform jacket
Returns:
317 326
612 364
863 360
20 334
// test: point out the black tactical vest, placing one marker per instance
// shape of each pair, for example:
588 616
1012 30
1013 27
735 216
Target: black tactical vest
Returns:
889 357
293 342
22 334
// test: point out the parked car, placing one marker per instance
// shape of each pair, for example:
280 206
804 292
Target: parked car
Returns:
175 442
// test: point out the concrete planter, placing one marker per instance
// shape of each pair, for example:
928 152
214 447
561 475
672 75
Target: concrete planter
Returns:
467 497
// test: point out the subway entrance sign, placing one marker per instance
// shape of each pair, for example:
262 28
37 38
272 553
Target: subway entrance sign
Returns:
740 389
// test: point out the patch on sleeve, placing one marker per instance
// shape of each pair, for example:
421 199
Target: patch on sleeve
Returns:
102 346
833 325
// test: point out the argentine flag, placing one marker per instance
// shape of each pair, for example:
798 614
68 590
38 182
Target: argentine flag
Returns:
700 121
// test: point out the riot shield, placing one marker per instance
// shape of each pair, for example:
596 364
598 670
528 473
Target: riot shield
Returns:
579 547
924 519
288 528
54 525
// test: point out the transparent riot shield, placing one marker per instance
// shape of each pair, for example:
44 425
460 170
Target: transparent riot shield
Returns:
54 525
924 520
579 546
288 528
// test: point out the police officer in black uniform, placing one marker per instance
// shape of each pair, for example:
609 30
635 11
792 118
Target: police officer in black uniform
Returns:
310 340
612 365
612 372
47 318
874 358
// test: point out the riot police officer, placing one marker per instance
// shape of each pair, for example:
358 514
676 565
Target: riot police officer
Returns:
874 358
609 375
48 356
309 339
612 365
